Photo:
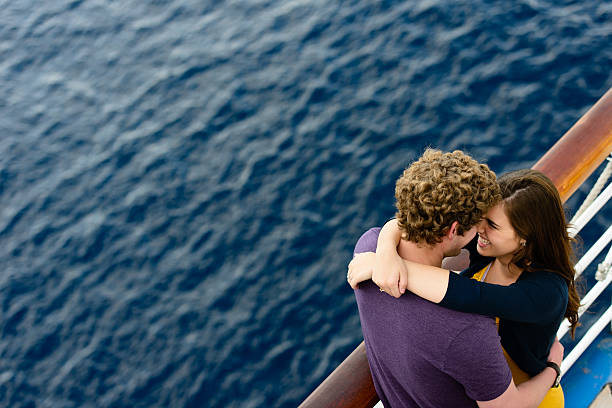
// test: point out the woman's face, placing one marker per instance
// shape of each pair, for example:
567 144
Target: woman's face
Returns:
496 237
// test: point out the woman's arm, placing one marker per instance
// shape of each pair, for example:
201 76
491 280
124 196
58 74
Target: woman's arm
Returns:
536 297
360 268
425 281
394 274
428 282
390 272
386 264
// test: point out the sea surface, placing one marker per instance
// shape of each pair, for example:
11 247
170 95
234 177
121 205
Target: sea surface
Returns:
182 182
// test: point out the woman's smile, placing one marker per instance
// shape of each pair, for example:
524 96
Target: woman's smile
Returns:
483 242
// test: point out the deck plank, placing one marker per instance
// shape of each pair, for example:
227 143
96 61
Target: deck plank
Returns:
603 399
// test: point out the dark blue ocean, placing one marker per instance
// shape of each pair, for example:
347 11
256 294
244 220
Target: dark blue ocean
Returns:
182 182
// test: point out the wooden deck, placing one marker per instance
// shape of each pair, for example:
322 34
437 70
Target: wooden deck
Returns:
604 399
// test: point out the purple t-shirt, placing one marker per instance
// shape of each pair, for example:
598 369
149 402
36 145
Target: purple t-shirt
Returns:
423 355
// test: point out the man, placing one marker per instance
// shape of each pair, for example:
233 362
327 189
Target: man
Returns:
420 354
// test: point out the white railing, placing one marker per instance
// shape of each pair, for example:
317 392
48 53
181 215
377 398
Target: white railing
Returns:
603 275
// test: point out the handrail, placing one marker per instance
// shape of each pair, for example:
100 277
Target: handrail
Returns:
588 338
568 164
349 385
581 150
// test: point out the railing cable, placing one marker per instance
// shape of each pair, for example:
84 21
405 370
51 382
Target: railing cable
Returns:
586 341
597 187
593 252
578 222
604 278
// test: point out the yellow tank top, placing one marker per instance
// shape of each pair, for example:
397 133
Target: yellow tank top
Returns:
554 398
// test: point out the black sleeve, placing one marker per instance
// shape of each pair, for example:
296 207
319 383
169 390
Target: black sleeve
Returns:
536 297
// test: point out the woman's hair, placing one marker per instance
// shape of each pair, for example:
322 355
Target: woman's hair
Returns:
532 203
439 189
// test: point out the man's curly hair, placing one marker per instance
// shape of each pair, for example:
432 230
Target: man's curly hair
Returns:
441 188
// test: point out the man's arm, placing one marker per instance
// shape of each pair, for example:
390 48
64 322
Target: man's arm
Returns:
532 392
474 358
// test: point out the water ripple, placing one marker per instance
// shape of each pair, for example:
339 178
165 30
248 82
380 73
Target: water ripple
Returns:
181 183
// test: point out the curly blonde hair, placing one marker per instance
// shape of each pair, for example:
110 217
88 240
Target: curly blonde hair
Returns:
441 188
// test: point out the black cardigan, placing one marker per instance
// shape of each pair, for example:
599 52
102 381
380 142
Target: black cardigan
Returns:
530 310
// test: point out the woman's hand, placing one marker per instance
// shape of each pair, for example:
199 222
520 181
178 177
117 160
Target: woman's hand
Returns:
360 268
390 273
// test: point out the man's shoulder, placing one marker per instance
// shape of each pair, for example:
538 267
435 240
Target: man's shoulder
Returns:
462 321
453 322
367 241
410 307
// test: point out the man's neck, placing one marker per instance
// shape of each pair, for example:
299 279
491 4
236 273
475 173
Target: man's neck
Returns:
421 253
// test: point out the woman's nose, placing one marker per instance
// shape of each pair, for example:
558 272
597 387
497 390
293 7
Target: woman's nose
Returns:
480 226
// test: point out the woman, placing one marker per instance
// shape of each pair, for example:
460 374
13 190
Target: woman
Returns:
520 268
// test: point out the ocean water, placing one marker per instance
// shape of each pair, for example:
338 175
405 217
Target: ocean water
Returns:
182 182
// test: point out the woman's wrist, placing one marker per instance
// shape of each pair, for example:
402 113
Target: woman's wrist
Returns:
554 366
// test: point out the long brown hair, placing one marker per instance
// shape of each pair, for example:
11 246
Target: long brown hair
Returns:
532 203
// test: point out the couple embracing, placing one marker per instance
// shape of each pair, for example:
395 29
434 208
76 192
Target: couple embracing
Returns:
484 337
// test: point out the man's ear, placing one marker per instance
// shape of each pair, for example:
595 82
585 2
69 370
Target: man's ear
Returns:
452 230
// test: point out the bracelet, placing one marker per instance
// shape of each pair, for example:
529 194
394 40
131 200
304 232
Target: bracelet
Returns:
558 371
